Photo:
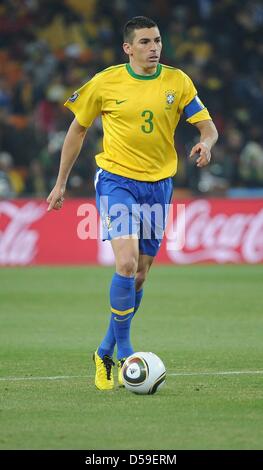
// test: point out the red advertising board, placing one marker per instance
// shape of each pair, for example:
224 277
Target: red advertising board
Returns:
198 231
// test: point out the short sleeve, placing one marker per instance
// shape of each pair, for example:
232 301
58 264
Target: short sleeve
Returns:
189 91
192 107
85 102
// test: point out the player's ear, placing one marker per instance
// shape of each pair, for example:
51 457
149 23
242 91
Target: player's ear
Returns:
127 48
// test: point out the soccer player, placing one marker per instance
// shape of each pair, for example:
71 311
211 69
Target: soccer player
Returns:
141 103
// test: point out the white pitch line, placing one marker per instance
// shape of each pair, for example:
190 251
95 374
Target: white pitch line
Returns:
56 377
231 372
173 374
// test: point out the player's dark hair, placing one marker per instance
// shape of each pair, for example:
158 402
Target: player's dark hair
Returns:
138 22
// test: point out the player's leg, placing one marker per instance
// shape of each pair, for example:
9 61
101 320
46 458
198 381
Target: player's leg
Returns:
152 227
122 291
122 297
113 190
144 264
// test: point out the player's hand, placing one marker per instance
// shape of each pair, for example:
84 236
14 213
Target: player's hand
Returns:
201 152
55 198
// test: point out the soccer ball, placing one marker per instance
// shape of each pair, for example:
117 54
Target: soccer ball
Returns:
143 373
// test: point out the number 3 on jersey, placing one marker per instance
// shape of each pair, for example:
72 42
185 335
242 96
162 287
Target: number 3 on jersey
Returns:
148 127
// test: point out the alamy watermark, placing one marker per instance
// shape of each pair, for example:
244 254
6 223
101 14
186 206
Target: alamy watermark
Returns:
140 220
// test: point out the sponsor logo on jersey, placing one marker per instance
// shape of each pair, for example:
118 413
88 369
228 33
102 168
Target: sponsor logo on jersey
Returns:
73 97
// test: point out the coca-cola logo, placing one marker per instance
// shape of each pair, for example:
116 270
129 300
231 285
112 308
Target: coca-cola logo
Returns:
221 237
18 243
205 231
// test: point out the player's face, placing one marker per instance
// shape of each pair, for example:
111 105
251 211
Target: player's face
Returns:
145 49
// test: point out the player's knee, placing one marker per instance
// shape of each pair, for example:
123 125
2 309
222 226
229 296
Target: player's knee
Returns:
127 266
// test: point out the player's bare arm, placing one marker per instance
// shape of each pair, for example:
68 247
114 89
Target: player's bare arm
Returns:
208 137
70 151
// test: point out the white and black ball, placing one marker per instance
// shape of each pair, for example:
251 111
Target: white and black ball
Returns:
143 373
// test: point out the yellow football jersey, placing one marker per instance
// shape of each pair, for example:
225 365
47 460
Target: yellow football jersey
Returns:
139 115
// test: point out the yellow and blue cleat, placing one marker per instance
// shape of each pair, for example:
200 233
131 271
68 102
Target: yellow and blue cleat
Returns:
120 376
104 375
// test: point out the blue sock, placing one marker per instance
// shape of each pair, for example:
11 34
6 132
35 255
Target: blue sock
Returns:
108 343
138 298
122 299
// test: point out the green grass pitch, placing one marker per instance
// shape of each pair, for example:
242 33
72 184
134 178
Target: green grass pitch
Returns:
203 321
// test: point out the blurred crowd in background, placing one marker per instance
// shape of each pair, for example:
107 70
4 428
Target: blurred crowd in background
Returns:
49 48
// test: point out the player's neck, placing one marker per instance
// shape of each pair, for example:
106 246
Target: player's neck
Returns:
140 70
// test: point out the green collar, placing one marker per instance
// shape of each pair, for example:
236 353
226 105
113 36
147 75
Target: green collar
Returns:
144 77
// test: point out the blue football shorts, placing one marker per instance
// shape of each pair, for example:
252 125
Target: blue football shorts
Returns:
131 207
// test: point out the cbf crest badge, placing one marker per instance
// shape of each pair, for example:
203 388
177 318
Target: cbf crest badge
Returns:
170 96
106 221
